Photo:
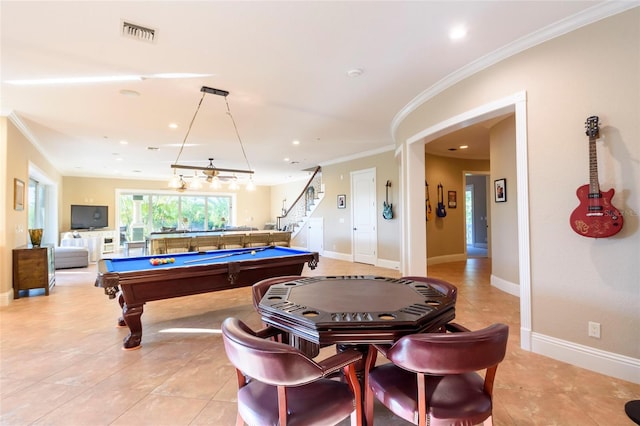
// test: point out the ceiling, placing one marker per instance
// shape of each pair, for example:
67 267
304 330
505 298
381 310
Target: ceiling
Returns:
286 66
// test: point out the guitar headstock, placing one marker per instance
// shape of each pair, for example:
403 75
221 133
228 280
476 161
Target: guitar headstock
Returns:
591 125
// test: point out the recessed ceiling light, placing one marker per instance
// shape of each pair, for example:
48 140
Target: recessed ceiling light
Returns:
123 142
464 146
457 32
173 126
286 159
296 142
355 72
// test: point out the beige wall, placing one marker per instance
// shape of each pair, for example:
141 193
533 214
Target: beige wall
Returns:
253 207
337 222
504 216
6 200
20 155
593 70
446 235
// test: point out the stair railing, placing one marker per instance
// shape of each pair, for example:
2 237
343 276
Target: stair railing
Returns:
298 209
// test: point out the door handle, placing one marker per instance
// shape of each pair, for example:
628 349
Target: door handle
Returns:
355 229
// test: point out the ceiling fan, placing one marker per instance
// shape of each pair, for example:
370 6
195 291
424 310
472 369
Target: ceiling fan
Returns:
212 171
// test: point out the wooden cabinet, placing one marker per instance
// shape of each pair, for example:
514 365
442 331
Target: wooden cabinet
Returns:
33 267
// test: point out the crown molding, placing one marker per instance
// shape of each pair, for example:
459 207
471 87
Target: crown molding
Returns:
564 26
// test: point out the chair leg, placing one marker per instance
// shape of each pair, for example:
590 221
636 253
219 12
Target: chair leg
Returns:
370 362
368 406
488 421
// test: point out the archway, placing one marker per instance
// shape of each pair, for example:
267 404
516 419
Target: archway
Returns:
413 258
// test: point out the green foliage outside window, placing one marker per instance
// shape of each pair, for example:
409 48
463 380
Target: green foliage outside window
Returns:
163 211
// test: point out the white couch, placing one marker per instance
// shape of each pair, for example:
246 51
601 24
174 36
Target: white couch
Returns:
71 257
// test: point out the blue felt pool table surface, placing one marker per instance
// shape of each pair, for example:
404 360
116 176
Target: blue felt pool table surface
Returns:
130 264
135 281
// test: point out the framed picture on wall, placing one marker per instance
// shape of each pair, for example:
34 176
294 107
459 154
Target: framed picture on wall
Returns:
453 199
500 188
342 201
18 194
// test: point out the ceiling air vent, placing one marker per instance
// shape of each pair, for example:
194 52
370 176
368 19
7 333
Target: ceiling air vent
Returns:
138 32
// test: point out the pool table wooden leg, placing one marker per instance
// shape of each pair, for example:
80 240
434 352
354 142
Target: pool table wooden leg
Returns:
121 322
132 317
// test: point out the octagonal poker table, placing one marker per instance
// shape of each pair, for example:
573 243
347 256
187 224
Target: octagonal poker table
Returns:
355 309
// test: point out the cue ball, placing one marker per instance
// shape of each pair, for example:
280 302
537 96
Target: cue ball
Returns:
253 252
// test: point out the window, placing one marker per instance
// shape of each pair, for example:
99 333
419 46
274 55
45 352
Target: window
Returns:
36 204
149 212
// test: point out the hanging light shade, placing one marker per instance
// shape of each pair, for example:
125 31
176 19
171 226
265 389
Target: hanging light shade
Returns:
250 185
215 183
233 185
174 182
195 183
210 172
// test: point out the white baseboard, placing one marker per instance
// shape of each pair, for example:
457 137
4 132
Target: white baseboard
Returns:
389 264
614 365
506 286
339 256
446 259
381 263
6 298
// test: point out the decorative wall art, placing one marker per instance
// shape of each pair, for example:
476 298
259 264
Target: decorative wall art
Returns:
453 199
500 187
18 194
342 201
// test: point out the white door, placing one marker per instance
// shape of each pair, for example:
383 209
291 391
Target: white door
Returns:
315 233
365 237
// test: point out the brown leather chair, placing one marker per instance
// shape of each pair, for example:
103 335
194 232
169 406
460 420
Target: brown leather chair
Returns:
279 385
259 289
432 378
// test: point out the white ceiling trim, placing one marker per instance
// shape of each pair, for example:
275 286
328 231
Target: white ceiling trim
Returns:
564 26
359 155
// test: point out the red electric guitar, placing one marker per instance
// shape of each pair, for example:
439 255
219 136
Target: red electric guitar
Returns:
595 217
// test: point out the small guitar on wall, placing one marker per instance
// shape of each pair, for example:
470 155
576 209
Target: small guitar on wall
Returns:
387 211
595 217
428 202
440 210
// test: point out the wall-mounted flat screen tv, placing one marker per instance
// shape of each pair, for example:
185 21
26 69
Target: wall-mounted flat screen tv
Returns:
89 217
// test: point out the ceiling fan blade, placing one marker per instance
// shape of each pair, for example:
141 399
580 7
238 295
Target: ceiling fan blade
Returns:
179 166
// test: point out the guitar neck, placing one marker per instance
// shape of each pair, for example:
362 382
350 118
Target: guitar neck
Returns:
594 185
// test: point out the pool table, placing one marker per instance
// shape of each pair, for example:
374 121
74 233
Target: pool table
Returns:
135 280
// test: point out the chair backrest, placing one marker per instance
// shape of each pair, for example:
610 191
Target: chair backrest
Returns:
282 239
256 239
451 353
266 360
206 242
177 245
231 241
441 285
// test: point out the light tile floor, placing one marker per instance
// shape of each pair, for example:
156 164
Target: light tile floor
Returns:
61 361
